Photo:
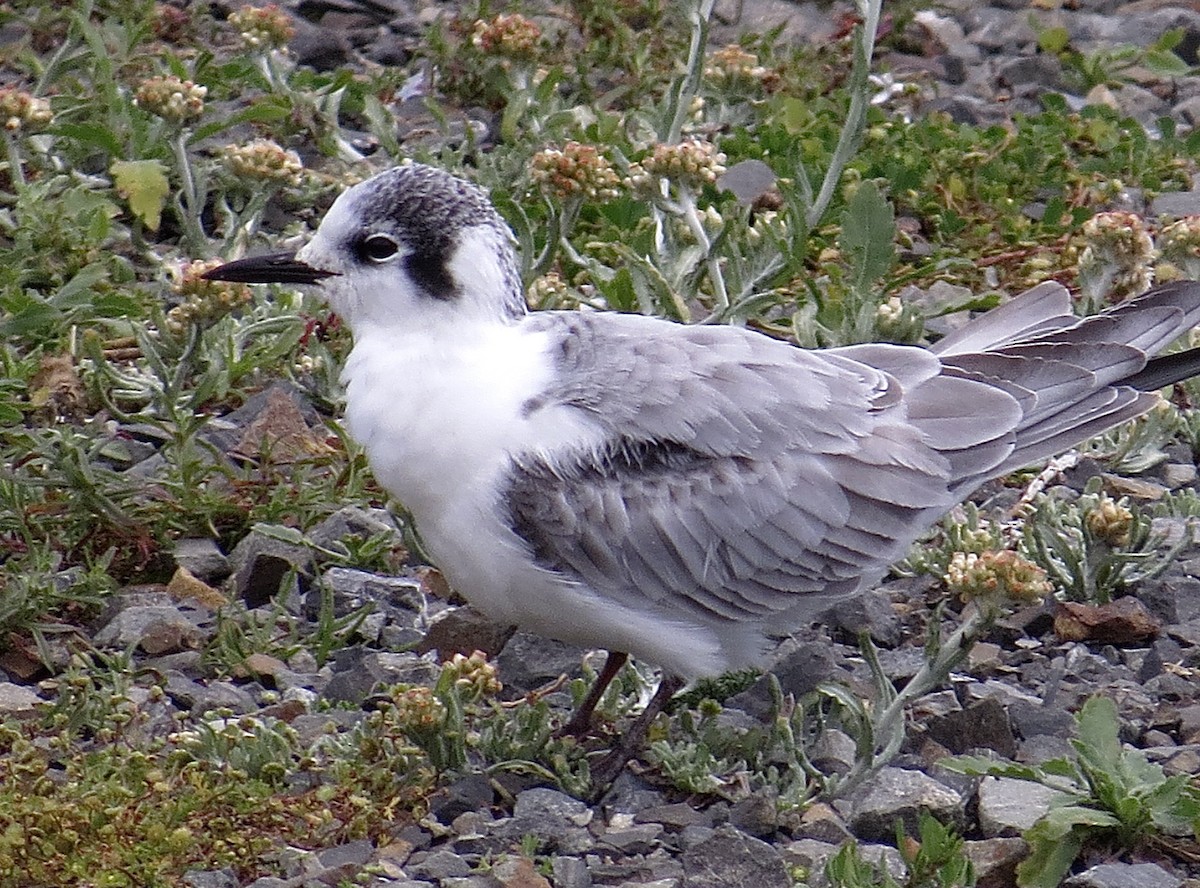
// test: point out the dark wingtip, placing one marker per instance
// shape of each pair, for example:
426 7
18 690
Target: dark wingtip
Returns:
271 268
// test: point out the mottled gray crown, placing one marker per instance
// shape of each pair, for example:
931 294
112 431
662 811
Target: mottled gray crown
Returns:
428 206
427 209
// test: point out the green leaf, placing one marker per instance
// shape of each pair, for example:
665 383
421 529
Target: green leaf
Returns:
1099 746
93 134
78 290
868 236
143 183
1049 858
1053 40
1165 63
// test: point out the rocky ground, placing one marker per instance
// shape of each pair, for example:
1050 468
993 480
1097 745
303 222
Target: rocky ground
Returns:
1013 696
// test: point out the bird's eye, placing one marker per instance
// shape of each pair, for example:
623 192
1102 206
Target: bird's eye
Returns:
379 248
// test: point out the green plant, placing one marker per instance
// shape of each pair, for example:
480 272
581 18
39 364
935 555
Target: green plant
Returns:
1108 797
934 859
1111 66
1092 548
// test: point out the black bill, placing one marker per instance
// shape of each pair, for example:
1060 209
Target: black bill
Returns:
270 268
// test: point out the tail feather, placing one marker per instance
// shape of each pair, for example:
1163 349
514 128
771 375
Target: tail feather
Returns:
1046 306
1072 378
1166 370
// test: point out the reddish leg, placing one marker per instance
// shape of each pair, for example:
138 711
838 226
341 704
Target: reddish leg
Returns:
630 742
582 719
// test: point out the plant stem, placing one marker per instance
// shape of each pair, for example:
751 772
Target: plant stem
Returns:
856 115
191 200
690 84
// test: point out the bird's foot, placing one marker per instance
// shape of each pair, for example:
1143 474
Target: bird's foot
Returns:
608 769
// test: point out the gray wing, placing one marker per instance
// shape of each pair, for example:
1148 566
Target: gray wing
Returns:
743 478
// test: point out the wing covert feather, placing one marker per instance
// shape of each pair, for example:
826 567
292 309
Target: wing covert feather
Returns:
787 478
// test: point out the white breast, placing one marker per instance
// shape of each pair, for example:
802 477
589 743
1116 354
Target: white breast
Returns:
440 418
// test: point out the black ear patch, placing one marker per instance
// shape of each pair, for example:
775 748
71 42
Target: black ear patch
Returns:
431 274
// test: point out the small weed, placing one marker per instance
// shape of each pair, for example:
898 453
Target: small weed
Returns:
933 859
1108 797
1092 548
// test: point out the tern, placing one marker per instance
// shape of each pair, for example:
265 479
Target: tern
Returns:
680 493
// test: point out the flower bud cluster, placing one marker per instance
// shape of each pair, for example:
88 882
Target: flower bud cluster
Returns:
178 101
1119 249
23 112
204 301
266 27
575 170
997 577
1110 521
734 66
690 164
473 675
264 161
511 36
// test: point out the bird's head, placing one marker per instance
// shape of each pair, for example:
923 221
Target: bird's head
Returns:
410 245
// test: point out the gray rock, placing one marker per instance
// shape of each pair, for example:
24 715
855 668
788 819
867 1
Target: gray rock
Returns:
900 794
1031 719
262 563
639 839
155 629
352 590
732 859
1008 807
1176 475
439 864
983 725
357 673
757 814
18 701
1172 598
352 855
1189 724
808 854
1041 70
222 878
869 612
470 793
530 661
800 667
200 698
570 872
356 522
674 817
822 823
1176 204
202 558
463 630
1177 759
690 836
1124 875
1043 748
551 807
748 180
996 860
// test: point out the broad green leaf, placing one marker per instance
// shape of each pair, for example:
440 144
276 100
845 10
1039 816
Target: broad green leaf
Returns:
91 134
1165 63
868 235
143 183
1053 40
77 290
1049 859
1098 744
